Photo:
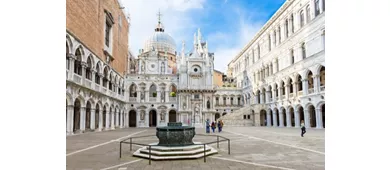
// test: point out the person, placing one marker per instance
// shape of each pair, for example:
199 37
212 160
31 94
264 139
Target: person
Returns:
219 126
303 129
207 126
213 126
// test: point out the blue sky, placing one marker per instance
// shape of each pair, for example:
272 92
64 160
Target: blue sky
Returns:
227 25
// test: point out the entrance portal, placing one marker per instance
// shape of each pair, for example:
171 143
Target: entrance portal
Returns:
76 118
217 116
312 113
152 118
132 118
172 116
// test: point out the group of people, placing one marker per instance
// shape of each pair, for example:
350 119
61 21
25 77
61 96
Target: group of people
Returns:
214 125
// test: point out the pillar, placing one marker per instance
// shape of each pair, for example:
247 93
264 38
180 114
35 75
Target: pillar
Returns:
269 117
275 119
280 92
277 37
295 88
69 122
107 127
307 118
83 66
281 118
101 78
112 119
158 96
146 96
287 90
100 120
92 124
317 83
273 91
117 118
297 118
71 66
267 96
82 119
261 97
167 96
319 119
282 31
288 116
138 96
305 86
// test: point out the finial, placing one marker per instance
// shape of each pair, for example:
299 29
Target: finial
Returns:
159 16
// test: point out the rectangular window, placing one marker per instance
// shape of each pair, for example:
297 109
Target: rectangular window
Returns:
249 116
244 116
196 96
107 36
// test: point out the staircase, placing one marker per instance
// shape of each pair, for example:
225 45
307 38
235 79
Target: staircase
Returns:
237 118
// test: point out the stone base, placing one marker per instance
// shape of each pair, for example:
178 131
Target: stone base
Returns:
198 125
172 153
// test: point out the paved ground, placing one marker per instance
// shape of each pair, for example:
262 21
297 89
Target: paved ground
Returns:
251 148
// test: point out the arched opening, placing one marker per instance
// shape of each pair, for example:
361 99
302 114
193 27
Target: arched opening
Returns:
88 116
97 111
292 21
77 62
172 93
104 116
109 117
323 115
208 104
322 78
303 49
310 82
97 77
152 118
289 81
76 118
263 95
105 76
292 115
301 114
270 93
172 116
111 80
133 90
258 96
152 91
299 84
312 113
217 115
88 69
272 117
263 118
284 123
277 117
286 30
302 18
115 117
132 118
283 89
224 113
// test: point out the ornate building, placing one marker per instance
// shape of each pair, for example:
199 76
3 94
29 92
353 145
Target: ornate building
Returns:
281 71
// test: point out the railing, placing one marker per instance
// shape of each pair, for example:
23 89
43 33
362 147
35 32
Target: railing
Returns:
133 99
300 93
88 83
322 88
172 99
311 91
152 99
149 147
76 78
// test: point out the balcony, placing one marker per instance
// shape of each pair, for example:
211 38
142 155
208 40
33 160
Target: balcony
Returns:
172 99
311 91
133 99
322 88
77 78
104 90
152 99
88 83
97 87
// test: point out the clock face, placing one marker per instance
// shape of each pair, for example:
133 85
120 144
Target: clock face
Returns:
152 66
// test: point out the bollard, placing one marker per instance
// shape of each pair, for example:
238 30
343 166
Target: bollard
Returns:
204 152
120 150
217 141
229 146
131 144
150 154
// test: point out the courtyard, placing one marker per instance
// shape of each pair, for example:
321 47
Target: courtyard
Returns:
265 148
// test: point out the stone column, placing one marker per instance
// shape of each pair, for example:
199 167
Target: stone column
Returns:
280 92
287 90
281 118
268 117
295 87
69 121
261 97
92 124
312 9
107 127
167 96
305 86
83 66
93 79
100 120
317 83
307 118
147 96
319 119
113 119
138 96
82 119
273 94
275 119
101 79
297 119
282 31
321 5
117 119
288 116
147 119
158 96
267 96
71 66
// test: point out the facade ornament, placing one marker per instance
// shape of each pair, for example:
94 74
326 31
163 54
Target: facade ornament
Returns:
142 115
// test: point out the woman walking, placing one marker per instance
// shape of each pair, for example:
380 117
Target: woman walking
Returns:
219 126
303 129
213 126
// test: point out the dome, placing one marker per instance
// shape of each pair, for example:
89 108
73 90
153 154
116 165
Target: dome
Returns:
161 41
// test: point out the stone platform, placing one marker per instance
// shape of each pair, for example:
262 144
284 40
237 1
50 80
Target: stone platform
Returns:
173 153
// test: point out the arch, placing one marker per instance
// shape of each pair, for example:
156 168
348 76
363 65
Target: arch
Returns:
292 115
263 117
258 94
88 69
276 111
152 118
283 89
321 72
299 83
132 118
97 111
172 115
312 115
88 115
69 98
133 90
69 44
105 117
172 90
301 115
98 71
217 116
77 115
68 50
310 80
105 76
271 116
111 80
284 115
153 90
290 83
78 59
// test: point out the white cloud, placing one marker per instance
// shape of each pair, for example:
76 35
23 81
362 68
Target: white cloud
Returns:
176 19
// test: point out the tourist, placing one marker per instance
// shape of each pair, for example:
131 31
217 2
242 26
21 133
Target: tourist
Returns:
219 126
207 126
213 126
303 129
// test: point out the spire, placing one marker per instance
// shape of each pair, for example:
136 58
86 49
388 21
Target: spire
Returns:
182 52
199 36
159 27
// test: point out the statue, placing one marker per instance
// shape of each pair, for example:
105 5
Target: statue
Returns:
142 114
143 66
197 109
162 115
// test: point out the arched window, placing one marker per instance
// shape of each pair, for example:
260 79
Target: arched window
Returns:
286 28
269 42
292 56
77 62
88 69
316 8
303 50
97 78
308 14
110 81
292 23
299 83
208 104
283 89
274 35
276 90
105 77
279 38
302 18
322 76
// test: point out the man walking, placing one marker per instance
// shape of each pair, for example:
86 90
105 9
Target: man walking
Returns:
303 129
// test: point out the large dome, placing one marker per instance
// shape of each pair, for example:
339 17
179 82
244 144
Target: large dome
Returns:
161 41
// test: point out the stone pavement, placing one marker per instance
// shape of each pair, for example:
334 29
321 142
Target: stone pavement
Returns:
265 148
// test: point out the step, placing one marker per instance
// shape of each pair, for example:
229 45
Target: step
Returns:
174 153
175 157
175 148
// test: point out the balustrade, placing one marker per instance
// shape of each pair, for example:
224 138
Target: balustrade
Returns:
77 78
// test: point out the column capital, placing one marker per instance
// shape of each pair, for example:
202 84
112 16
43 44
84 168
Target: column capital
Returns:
83 64
101 74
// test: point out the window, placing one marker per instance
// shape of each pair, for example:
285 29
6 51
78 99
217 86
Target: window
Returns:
249 116
302 19
308 14
280 37
274 35
292 56
195 70
292 23
108 26
303 50
316 8
286 28
258 48
217 100
107 36
231 100
224 100
196 96
269 42
244 116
